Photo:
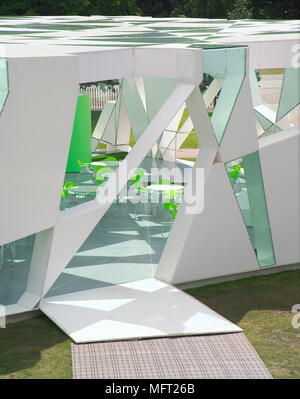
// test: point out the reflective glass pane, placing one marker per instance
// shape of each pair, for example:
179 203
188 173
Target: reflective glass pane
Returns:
226 69
127 243
15 259
246 179
3 82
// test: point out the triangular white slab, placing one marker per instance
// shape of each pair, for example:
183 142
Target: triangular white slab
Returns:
240 136
145 308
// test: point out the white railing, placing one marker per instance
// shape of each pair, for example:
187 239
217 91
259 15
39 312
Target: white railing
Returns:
100 97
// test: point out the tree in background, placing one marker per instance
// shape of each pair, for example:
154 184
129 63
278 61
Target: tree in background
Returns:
240 10
155 8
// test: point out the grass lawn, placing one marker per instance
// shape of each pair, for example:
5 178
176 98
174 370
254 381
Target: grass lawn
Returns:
260 305
34 349
278 71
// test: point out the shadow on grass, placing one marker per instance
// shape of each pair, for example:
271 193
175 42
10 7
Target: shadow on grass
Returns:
234 299
34 348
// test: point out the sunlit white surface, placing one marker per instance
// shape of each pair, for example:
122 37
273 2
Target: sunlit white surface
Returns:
145 308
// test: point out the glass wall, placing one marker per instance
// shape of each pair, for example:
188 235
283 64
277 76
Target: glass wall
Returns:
3 82
246 179
127 243
15 260
226 69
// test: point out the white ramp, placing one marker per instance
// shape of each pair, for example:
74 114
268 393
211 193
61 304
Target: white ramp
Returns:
140 309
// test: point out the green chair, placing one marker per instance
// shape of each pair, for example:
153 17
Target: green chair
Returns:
234 177
172 208
101 172
65 192
85 167
110 159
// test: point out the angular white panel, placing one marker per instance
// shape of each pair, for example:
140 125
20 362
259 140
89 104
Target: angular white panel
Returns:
213 89
68 236
134 107
39 111
102 65
240 135
212 236
180 232
94 144
75 224
200 119
145 308
109 134
267 112
103 119
279 157
123 133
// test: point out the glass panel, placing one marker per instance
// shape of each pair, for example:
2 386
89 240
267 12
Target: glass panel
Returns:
3 82
127 243
290 93
15 259
227 68
135 107
291 119
246 179
269 82
157 91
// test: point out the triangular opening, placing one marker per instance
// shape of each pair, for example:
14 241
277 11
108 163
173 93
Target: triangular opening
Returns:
224 72
246 180
270 83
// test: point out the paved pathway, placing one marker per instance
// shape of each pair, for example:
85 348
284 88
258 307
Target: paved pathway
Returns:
226 356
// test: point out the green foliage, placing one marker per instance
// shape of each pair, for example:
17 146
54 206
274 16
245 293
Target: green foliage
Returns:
117 156
236 170
267 9
240 10
66 187
139 173
172 208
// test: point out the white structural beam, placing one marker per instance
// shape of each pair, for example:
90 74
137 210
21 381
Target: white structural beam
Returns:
213 89
273 54
212 235
145 308
77 223
182 64
240 138
279 157
36 127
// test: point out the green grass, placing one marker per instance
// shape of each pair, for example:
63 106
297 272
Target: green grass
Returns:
118 155
184 117
191 141
34 349
278 71
262 307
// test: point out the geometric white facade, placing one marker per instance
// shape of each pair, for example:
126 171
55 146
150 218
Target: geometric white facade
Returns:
235 232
